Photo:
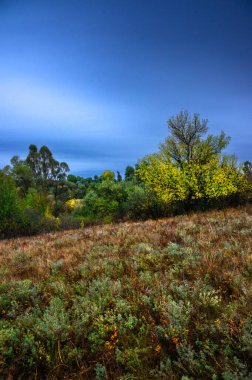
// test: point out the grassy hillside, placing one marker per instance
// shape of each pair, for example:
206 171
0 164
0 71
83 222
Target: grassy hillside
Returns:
166 299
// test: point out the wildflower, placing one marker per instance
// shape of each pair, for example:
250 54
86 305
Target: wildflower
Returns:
108 345
113 337
175 339
231 326
158 348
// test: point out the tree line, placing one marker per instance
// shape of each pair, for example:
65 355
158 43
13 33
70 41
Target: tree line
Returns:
189 171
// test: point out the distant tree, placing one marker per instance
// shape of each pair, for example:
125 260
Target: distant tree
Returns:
44 167
15 160
108 175
79 185
129 173
72 178
247 169
33 161
97 179
22 174
23 177
119 177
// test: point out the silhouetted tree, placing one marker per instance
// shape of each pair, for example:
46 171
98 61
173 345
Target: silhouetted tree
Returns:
247 169
129 173
185 144
119 177
46 170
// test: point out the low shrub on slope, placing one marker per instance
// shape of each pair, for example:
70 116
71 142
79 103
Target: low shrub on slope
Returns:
167 299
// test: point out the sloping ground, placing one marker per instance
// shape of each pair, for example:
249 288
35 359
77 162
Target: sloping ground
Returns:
148 300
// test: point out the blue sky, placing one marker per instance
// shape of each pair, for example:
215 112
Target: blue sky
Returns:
97 80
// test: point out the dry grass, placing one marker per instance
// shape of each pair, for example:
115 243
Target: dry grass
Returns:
208 232
162 299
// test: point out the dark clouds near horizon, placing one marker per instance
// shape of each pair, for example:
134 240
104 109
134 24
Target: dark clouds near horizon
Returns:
96 81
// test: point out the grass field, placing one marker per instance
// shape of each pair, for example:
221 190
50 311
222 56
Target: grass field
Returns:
165 299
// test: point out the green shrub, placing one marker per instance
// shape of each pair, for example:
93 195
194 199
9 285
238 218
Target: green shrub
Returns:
11 217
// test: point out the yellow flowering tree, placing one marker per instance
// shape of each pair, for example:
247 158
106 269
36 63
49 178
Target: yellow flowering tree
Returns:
194 181
188 167
73 204
167 180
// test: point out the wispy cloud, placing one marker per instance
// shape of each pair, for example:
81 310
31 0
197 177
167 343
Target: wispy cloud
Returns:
90 135
54 107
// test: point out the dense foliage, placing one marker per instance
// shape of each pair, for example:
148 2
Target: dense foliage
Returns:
167 299
189 172
189 168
